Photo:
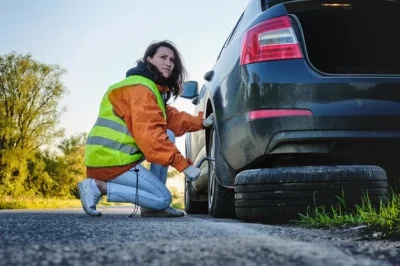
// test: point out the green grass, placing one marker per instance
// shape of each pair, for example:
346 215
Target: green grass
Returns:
321 218
178 205
46 203
37 203
177 199
7 202
385 220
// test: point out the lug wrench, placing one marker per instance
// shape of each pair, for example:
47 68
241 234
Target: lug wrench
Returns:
201 162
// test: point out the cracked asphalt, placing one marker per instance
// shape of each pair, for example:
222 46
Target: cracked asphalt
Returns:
70 237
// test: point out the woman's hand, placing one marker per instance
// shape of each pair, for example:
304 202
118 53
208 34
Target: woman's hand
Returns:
209 121
192 173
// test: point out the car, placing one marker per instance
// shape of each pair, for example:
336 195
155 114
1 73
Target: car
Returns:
298 86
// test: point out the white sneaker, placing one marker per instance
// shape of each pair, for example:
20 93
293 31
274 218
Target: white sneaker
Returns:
89 199
167 212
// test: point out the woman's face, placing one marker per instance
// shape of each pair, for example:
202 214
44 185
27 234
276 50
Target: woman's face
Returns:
164 60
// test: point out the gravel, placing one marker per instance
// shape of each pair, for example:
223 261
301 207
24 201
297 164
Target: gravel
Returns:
73 238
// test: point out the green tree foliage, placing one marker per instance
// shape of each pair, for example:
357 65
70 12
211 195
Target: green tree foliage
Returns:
30 92
29 96
39 181
56 175
72 163
13 171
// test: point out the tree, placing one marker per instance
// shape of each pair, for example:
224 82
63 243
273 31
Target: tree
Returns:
39 182
52 174
30 93
73 161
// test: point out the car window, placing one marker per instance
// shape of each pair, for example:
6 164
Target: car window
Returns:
230 35
269 3
265 5
234 30
252 10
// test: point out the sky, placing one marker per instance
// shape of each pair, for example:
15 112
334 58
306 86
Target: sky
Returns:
96 42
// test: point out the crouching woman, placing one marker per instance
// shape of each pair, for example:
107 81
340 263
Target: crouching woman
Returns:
136 124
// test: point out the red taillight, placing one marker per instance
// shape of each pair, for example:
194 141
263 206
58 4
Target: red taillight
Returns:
258 114
273 39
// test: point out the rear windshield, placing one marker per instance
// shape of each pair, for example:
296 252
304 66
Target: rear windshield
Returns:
268 3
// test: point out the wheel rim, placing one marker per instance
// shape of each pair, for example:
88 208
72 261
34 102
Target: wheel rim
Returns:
211 169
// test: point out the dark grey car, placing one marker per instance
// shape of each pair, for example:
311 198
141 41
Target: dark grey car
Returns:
298 83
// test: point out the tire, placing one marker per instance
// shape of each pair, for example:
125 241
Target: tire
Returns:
393 174
280 194
221 200
192 206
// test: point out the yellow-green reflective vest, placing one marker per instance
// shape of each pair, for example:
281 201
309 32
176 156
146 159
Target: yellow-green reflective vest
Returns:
109 142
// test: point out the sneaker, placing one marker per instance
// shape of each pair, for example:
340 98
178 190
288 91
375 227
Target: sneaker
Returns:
89 199
167 212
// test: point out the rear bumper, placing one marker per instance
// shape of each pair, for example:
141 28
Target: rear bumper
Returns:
353 112
244 143
339 144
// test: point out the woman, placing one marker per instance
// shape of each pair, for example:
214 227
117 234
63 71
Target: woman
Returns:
135 124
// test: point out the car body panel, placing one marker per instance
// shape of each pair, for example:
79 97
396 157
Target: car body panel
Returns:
351 103
362 109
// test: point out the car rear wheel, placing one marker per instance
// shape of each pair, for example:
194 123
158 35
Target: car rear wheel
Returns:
192 206
221 200
279 194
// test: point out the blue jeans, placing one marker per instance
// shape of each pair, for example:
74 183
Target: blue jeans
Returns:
141 186
158 170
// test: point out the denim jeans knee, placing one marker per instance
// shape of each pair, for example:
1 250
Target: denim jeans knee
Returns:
142 188
171 135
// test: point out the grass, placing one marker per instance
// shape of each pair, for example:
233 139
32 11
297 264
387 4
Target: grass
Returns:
7 202
385 220
177 198
319 217
37 203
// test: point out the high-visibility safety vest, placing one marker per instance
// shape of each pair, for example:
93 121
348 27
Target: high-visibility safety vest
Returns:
109 142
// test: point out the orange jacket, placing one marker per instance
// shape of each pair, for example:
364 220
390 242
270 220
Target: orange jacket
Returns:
137 105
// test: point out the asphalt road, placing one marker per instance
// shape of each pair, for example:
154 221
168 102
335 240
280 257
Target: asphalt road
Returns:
73 238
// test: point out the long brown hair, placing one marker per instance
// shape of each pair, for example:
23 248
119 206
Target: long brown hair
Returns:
178 74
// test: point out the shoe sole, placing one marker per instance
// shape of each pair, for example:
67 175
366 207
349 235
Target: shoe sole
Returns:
82 192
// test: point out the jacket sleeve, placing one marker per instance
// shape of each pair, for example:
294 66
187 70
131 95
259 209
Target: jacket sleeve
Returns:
137 105
182 122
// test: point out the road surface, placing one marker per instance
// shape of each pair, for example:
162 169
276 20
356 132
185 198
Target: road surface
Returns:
70 237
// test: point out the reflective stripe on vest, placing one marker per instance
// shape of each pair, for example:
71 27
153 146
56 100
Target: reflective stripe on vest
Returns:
128 149
111 124
110 143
